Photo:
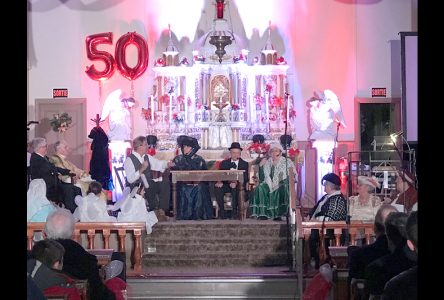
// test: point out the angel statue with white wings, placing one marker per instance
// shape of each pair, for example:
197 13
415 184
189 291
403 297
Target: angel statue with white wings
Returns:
116 108
325 110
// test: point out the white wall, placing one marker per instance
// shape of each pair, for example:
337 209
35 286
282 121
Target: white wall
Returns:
343 45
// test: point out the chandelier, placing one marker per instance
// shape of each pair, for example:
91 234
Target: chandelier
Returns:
220 38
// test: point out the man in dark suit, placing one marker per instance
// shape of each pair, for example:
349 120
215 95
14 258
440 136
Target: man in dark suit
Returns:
232 163
41 167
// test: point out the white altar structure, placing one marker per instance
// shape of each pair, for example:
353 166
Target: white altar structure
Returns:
219 100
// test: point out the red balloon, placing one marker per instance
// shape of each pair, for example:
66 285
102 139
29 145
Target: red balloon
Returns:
92 41
142 55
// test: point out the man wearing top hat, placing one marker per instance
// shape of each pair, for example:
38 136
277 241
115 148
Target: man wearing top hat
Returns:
235 162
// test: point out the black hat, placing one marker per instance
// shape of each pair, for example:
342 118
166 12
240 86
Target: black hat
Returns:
179 139
190 141
285 140
235 145
333 178
258 138
151 140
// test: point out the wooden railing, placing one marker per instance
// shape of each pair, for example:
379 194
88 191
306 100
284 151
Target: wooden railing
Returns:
93 228
366 228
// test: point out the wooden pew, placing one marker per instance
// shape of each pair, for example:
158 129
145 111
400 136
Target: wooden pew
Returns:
93 228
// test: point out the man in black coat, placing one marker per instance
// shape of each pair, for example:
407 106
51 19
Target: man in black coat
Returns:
237 163
41 167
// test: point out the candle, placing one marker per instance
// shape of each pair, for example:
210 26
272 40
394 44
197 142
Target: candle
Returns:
267 95
288 108
252 109
171 109
152 108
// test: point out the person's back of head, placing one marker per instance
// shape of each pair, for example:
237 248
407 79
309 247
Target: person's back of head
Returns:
49 252
59 224
95 187
395 228
381 215
412 229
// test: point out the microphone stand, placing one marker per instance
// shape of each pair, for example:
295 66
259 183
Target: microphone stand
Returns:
290 242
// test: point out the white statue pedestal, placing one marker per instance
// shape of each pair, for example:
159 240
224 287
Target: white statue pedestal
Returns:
324 163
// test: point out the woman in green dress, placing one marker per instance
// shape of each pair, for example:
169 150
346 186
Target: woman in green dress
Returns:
270 199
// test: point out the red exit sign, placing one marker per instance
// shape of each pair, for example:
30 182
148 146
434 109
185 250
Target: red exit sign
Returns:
59 93
379 92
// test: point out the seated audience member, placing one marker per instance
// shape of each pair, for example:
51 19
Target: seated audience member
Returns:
38 206
32 290
331 207
132 209
194 201
92 207
145 169
45 269
112 281
40 167
360 257
407 195
405 285
271 197
82 178
235 162
77 262
381 270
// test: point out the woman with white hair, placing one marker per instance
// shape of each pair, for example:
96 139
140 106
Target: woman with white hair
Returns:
38 206
365 205
270 199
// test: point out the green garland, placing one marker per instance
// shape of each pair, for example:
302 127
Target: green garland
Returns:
61 122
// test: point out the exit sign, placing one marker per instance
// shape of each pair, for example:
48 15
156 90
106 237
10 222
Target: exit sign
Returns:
379 92
60 93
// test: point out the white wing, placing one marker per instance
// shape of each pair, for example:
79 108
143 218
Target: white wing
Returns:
333 101
112 101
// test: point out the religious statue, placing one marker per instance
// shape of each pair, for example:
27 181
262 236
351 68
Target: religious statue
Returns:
117 109
325 110
220 135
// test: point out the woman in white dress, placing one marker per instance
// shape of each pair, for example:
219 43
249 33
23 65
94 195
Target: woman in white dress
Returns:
133 209
92 207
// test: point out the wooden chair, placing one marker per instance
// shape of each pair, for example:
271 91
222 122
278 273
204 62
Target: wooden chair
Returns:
121 177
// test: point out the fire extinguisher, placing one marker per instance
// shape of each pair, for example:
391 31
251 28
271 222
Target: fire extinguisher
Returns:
343 166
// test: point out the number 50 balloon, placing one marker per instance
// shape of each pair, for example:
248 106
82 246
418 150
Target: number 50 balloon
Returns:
93 54
142 55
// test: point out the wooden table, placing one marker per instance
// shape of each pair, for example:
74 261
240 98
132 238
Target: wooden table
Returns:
209 175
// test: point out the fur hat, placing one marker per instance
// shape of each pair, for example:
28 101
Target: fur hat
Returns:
275 145
371 181
151 140
333 178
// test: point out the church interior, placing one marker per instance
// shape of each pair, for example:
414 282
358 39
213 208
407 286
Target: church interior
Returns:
317 98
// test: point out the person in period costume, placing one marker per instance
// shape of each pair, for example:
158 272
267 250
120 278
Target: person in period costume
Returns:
38 206
271 197
146 169
92 207
235 162
99 164
56 190
331 207
407 197
133 209
365 205
59 159
194 201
